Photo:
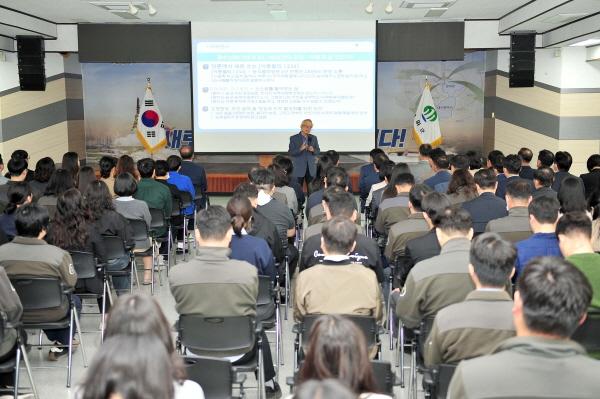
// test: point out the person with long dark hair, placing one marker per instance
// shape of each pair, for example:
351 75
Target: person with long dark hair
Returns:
107 167
86 176
318 182
253 250
44 168
571 196
19 194
125 164
282 187
338 349
70 162
61 181
138 318
462 187
73 230
98 202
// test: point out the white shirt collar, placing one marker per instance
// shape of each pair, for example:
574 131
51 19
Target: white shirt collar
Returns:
130 198
336 258
263 198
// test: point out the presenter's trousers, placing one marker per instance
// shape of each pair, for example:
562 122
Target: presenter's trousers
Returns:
308 178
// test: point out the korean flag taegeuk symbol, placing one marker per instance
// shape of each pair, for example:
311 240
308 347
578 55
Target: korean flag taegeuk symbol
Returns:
150 129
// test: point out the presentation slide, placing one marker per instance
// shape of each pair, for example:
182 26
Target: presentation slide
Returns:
251 93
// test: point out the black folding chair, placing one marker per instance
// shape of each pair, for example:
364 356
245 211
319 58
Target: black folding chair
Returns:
13 364
221 337
116 248
141 236
159 222
176 223
268 314
186 201
86 267
437 381
42 293
367 324
214 375
588 334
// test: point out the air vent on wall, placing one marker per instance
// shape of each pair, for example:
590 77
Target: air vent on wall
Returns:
120 8
436 12
426 3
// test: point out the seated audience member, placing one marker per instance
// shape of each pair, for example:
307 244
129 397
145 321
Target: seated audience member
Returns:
594 206
541 361
487 206
140 316
461 187
335 159
340 203
515 226
107 166
253 250
572 196
281 187
153 193
369 174
477 325
511 166
44 168
161 175
24 156
562 164
279 214
476 162
287 165
574 231
212 284
338 349
19 194
195 172
545 159
72 230
182 182
426 246
421 170
336 176
495 162
134 209
327 388
384 166
393 210
376 195
457 162
415 226
12 311
442 280
29 255
3 179
390 190
70 163
86 176
17 172
107 222
543 214
439 165
126 164
318 182
591 180
260 226
542 181
526 156
61 181
338 286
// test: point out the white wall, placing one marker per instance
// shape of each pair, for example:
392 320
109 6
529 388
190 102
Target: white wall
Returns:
576 71
9 70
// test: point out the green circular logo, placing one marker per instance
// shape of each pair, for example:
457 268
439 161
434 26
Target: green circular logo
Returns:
430 113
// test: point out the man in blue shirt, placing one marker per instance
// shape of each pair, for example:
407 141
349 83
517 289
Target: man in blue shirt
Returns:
194 171
182 182
440 164
543 215
369 175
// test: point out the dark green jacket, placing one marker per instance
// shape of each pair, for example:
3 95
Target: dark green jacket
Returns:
156 195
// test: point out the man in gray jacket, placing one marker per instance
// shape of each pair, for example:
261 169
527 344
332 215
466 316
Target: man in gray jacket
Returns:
541 361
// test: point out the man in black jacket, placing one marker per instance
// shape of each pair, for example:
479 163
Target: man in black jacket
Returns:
487 206
591 181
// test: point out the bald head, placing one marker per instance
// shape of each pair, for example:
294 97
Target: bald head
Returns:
186 152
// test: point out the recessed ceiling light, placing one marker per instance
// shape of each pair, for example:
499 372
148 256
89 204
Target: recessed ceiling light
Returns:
586 43
389 8
133 9
369 7
151 10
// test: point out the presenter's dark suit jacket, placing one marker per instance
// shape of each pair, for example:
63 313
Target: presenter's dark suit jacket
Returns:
591 181
484 208
303 159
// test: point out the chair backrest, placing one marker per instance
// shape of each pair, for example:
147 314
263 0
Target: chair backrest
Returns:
158 219
367 324
140 233
186 199
588 334
424 329
114 246
176 207
84 263
217 336
265 291
442 375
215 376
39 293
384 376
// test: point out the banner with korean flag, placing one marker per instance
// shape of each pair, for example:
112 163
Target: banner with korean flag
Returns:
426 128
150 129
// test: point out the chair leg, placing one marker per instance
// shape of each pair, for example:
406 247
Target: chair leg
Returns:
17 364
185 241
390 321
70 349
28 368
152 269
169 249
105 290
262 393
135 272
80 339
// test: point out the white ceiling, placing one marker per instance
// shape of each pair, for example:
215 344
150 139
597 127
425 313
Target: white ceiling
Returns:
74 11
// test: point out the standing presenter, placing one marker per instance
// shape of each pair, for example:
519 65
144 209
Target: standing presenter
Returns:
304 147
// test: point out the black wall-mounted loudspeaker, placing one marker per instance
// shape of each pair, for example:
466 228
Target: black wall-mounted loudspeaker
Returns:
31 58
522 59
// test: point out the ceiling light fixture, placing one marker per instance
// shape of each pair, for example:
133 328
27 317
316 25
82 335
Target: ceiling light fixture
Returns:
389 8
133 10
151 10
369 7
